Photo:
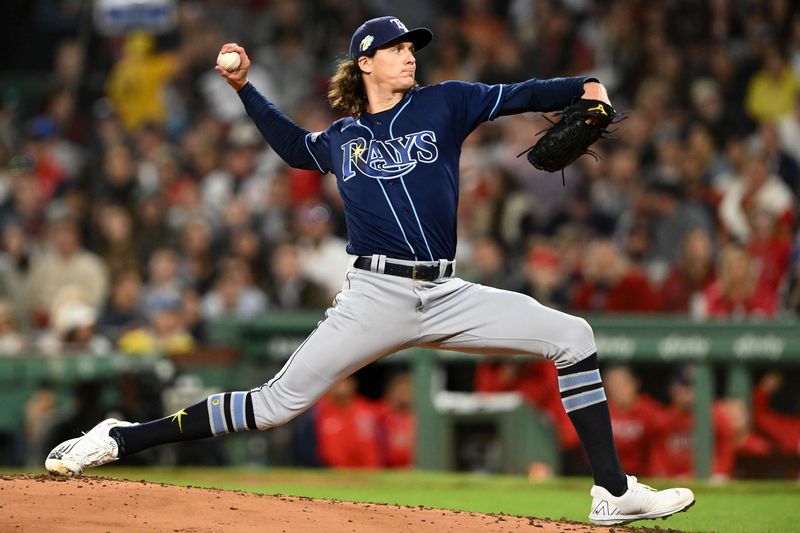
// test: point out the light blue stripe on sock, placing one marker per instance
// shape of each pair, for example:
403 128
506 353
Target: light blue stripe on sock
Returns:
579 379
215 402
237 401
584 399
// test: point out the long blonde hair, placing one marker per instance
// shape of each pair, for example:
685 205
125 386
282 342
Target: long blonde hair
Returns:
346 91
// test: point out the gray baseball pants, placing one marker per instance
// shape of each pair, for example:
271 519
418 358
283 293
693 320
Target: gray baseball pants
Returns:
378 314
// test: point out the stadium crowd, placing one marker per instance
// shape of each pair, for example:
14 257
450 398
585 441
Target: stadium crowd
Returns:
138 202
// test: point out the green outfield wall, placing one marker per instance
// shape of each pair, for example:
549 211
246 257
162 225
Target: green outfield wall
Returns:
245 352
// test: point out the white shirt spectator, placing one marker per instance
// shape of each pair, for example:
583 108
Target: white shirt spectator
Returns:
773 197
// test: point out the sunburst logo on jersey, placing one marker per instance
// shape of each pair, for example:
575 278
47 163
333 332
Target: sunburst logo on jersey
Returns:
177 418
357 151
365 42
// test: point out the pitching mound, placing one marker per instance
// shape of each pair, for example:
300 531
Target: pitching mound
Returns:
43 503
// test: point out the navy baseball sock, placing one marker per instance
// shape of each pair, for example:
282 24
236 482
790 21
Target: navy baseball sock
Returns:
216 415
585 402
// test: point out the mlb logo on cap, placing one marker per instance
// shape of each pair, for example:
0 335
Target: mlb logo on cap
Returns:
381 31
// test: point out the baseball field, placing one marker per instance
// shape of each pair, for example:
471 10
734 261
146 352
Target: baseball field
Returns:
154 499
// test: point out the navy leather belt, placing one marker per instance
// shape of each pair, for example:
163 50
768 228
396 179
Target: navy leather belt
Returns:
429 272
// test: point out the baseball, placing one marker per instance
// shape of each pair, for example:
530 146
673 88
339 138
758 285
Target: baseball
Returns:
230 61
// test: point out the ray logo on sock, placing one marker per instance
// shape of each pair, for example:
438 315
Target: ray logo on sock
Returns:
177 418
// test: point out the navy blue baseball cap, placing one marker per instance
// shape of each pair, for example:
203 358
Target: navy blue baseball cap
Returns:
377 32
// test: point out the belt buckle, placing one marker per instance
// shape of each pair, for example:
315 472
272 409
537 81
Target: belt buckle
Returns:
414 272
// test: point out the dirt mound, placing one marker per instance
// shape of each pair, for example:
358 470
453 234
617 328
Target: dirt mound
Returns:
43 503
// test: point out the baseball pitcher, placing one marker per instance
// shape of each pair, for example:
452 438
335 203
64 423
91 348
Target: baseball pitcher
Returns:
396 161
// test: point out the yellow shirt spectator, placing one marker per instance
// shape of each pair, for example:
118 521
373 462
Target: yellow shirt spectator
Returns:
136 83
772 90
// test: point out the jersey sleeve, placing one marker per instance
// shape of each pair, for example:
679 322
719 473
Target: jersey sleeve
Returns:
474 103
297 146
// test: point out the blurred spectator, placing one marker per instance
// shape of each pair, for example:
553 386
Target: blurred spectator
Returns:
672 454
287 285
770 248
545 279
150 219
118 248
289 60
754 190
746 441
346 426
12 340
322 254
782 429
122 311
635 417
772 90
26 205
244 243
782 164
489 265
197 266
240 177
500 207
672 218
73 324
691 275
709 107
193 320
136 83
396 422
611 284
15 260
163 282
117 181
51 169
234 295
738 292
164 334
66 263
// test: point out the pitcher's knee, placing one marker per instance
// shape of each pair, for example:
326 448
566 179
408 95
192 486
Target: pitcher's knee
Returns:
273 406
578 342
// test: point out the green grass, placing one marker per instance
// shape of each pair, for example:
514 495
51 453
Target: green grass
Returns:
735 507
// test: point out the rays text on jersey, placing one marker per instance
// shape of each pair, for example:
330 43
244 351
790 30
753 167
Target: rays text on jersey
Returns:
388 159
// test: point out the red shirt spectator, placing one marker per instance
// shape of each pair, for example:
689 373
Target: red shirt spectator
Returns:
673 453
537 381
397 424
398 436
739 291
691 275
782 429
635 419
772 256
612 284
635 430
346 428
746 441
719 305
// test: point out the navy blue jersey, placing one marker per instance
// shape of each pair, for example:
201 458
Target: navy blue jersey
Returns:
397 170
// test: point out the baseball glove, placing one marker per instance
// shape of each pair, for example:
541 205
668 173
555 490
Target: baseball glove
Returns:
581 124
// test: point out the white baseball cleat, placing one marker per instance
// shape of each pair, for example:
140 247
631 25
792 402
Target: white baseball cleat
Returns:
639 502
95 448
